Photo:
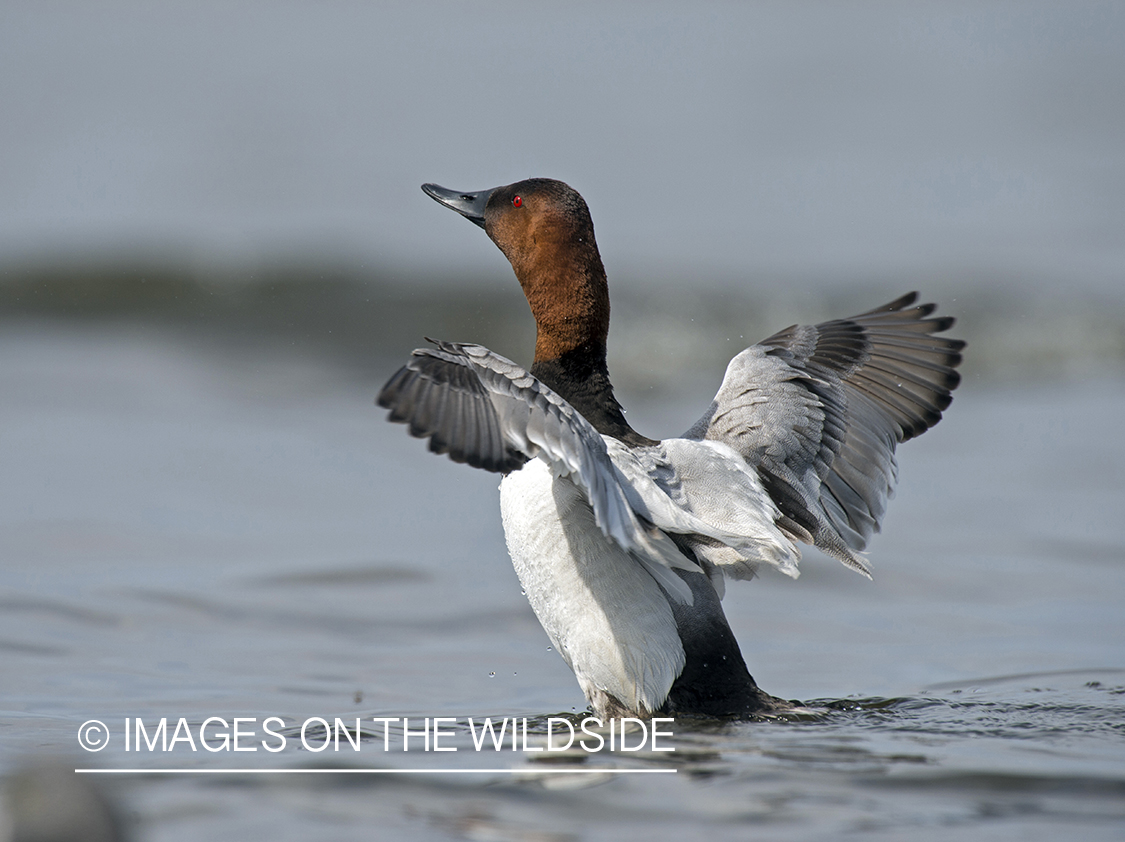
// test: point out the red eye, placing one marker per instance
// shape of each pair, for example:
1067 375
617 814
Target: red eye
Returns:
517 201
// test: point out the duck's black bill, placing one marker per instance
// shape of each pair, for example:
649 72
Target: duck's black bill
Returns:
469 205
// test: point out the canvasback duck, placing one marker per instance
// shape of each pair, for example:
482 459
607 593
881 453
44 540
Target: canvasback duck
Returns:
622 542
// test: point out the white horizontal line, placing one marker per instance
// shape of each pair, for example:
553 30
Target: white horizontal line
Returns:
354 771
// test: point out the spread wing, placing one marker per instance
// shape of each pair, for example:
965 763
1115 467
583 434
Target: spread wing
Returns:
440 396
485 410
818 410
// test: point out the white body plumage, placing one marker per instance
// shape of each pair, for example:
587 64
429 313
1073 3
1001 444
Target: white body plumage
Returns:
602 611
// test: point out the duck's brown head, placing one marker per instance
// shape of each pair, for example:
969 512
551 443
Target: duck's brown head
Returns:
544 229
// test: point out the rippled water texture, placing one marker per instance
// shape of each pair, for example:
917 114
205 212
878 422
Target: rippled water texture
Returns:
194 529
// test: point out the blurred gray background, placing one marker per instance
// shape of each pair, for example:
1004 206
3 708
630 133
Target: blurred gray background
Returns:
727 150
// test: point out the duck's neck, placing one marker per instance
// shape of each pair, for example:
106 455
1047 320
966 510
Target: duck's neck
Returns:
581 377
570 302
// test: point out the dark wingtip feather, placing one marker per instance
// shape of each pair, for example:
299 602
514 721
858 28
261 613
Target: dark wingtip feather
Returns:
440 398
900 303
387 395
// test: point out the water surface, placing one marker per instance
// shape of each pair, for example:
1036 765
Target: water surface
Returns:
202 528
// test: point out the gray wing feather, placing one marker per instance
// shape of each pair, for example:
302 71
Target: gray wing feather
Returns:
488 412
440 398
818 410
